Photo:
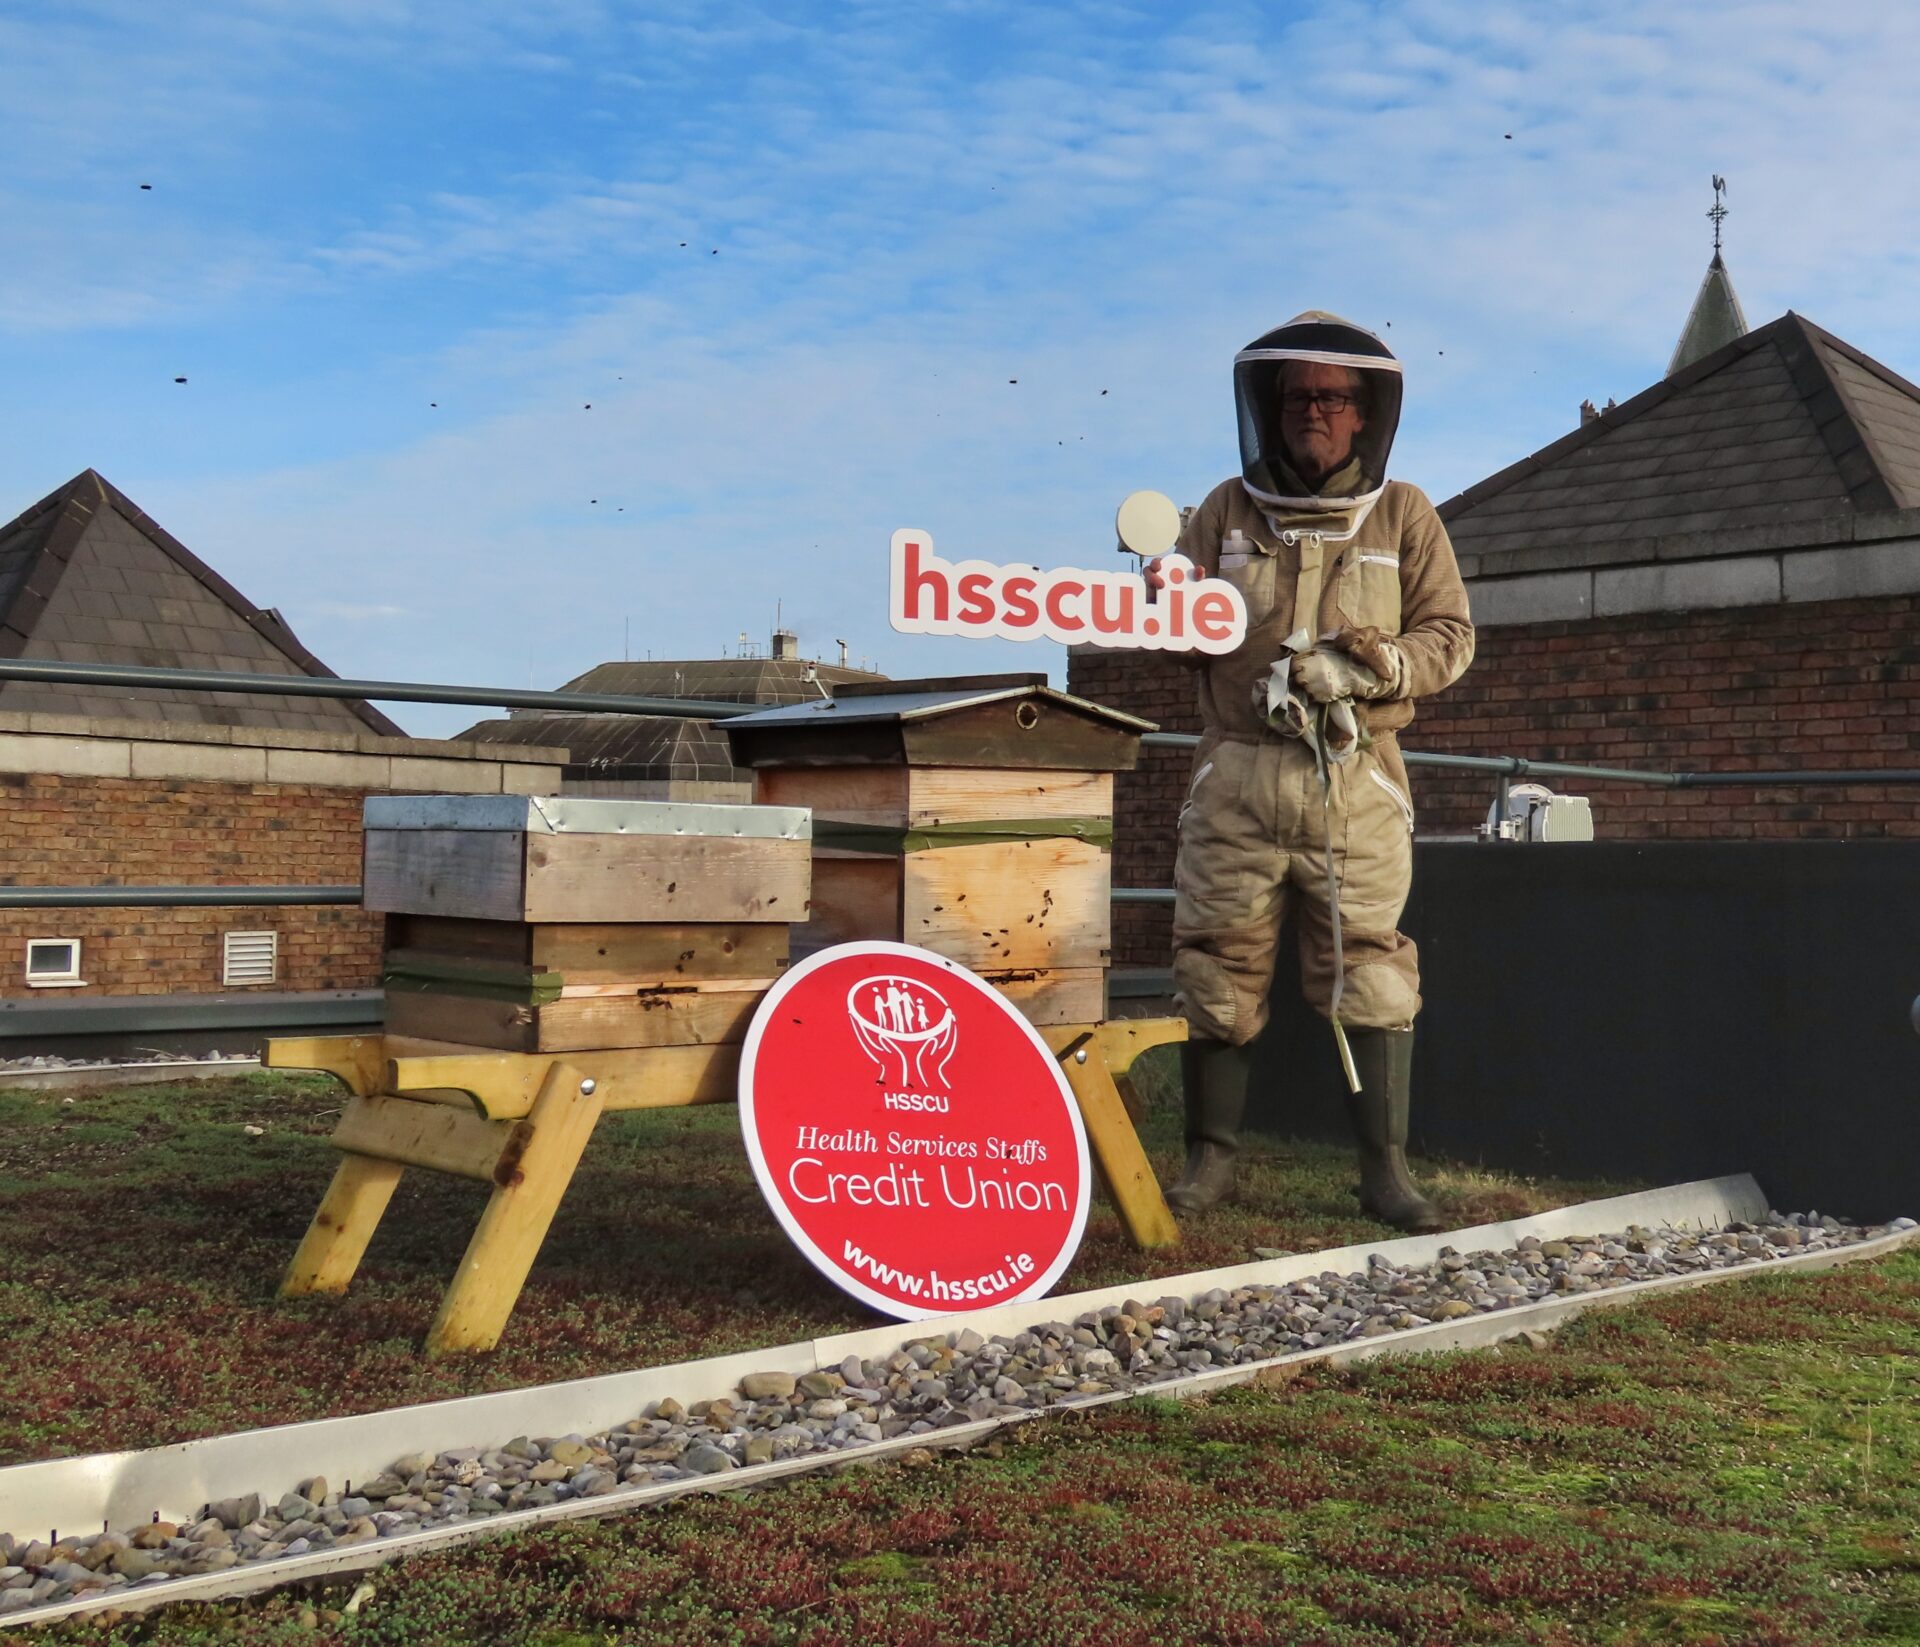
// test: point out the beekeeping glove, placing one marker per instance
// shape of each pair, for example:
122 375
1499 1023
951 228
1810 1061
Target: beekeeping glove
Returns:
1332 730
1328 676
1351 663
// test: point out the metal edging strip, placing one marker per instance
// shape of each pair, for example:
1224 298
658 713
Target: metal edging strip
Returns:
126 1488
583 815
1479 1332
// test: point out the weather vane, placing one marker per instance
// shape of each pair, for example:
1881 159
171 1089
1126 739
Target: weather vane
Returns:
1719 211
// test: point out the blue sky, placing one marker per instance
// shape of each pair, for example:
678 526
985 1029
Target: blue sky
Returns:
361 208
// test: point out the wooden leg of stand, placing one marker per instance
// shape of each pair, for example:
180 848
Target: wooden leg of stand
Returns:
1116 1147
338 1236
475 1310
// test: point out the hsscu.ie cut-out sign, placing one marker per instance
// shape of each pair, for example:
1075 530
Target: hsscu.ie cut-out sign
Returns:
1190 613
912 1133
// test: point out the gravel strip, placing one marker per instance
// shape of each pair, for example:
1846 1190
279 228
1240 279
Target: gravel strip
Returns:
53 1062
930 1383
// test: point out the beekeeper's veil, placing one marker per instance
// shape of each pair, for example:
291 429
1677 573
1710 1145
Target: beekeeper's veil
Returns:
1347 495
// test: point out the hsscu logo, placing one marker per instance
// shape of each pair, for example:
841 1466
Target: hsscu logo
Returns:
909 1031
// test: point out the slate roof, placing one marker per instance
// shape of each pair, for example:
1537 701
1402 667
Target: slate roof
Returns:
86 576
663 747
623 746
1785 424
719 680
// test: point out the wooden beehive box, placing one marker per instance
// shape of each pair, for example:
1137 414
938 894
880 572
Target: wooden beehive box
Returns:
544 924
973 817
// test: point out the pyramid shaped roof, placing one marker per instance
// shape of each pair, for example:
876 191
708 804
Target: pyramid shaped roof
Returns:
1785 424
1713 322
86 576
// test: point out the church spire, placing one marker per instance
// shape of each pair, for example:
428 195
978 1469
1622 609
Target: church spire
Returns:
1716 318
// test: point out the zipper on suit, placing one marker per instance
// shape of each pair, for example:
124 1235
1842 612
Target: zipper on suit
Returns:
1393 789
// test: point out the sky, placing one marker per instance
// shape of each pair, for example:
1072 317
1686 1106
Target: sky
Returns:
518 338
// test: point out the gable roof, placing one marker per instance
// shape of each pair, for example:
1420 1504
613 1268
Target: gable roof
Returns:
1786 424
86 576
980 721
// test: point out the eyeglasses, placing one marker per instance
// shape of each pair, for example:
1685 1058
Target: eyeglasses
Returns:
1330 401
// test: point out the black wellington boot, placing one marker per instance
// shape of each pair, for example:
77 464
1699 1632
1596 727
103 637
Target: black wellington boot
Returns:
1215 1078
1383 1058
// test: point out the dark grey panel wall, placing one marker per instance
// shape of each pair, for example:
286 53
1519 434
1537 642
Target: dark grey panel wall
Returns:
1657 1010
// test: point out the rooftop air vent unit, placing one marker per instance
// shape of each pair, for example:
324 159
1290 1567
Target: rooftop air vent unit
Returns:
1535 813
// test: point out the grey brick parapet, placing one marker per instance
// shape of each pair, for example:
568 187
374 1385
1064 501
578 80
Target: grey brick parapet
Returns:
1837 557
80 746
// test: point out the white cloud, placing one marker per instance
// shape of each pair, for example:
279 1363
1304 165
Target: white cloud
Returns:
348 612
911 211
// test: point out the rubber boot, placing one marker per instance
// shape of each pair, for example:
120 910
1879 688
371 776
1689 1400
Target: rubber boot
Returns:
1215 1078
1383 1058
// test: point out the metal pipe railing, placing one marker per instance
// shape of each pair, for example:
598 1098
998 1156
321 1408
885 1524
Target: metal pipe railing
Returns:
613 703
1520 766
312 686
327 686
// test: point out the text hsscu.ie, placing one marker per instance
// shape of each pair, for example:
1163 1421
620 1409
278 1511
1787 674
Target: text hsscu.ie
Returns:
930 596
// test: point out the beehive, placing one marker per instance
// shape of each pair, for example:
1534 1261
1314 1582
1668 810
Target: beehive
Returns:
973 817
558 924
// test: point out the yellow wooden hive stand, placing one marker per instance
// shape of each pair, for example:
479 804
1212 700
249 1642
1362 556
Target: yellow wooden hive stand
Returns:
520 1122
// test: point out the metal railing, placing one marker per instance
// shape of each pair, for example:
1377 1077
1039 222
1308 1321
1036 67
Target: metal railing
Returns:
329 686
1523 766
1502 767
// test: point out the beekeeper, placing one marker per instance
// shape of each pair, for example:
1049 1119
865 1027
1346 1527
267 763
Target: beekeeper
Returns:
1299 803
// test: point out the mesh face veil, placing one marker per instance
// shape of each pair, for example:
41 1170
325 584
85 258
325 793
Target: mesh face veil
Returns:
1269 474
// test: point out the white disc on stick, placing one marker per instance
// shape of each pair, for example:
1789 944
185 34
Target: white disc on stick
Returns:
1148 523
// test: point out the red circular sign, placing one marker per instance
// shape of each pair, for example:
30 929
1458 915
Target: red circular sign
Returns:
912 1133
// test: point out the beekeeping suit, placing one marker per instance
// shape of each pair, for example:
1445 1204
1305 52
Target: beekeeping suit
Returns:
1299 803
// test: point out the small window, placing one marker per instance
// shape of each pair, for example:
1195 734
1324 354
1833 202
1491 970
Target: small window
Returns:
249 957
53 962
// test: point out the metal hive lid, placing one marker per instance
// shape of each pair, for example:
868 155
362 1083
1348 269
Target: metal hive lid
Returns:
917 702
583 815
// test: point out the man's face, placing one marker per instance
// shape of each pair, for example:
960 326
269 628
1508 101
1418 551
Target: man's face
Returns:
1318 433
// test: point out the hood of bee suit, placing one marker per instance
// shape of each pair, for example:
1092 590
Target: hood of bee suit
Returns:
1344 498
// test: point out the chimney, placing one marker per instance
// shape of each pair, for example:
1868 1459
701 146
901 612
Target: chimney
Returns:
1589 413
786 644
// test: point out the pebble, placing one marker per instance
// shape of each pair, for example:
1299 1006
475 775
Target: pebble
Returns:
927 1385
237 1512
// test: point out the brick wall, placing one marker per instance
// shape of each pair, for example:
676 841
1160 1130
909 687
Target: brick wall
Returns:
78 831
143 803
1147 800
1826 684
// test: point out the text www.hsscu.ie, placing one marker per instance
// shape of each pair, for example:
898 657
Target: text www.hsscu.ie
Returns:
1015 1268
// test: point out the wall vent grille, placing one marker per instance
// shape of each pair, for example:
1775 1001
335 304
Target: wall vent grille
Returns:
249 957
